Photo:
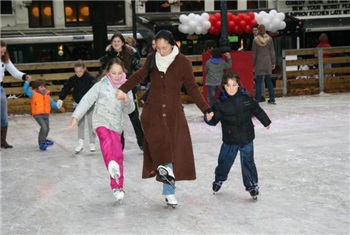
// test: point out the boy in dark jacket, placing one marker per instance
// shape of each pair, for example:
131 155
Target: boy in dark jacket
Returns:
234 110
80 82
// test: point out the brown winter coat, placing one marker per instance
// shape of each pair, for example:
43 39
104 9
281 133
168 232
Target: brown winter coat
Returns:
167 137
263 55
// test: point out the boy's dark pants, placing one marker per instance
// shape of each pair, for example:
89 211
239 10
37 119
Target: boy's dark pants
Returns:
226 159
44 124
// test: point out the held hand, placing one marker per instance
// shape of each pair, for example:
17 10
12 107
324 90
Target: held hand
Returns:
62 110
209 115
59 103
72 124
29 78
228 55
121 95
268 127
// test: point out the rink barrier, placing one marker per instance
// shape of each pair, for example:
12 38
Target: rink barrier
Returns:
303 71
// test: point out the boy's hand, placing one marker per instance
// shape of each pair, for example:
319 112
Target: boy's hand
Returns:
62 110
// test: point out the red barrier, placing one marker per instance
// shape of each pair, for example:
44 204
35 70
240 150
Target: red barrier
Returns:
242 64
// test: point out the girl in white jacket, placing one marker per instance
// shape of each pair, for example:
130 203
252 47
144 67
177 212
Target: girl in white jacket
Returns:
107 120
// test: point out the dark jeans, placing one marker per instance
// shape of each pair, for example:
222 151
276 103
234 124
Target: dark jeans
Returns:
44 124
211 93
226 159
259 79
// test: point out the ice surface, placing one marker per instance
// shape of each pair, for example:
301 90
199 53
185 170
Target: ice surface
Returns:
302 161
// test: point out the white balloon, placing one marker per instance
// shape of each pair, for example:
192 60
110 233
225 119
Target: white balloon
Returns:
205 16
282 25
206 24
198 30
205 31
276 22
191 16
192 24
259 18
265 22
184 29
273 12
281 15
262 13
183 18
198 19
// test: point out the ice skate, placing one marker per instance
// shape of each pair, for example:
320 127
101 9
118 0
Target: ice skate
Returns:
167 174
80 146
49 142
171 200
119 194
92 147
254 193
114 170
217 185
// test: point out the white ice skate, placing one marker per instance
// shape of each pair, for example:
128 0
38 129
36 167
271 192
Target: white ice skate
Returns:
92 147
114 170
167 174
119 194
171 200
80 146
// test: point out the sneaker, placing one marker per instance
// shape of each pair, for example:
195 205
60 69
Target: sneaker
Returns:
171 200
43 146
114 170
49 142
271 101
166 173
92 147
217 185
119 194
80 146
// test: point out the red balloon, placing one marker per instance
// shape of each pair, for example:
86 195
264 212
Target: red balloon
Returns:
212 19
248 29
241 16
239 31
229 16
252 15
217 16
253 22
218 25
211 30
242 24
231 25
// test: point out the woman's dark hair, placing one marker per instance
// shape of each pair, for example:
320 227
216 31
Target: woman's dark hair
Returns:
6 57
125 54
167 36
216 53
38 82
231 75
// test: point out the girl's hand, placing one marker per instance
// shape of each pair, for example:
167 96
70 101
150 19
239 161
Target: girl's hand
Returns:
72 124
209 115
121 95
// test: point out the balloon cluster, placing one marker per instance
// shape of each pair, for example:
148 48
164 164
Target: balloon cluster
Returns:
273 20
238 24
194 23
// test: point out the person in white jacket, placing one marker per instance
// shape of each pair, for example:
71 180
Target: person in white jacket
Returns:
6 64
107 120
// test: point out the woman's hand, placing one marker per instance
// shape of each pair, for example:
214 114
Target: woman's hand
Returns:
72 124
121 95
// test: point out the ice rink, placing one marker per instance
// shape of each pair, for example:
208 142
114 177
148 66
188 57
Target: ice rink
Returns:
302 162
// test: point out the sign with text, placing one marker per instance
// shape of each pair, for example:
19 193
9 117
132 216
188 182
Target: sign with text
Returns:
315 9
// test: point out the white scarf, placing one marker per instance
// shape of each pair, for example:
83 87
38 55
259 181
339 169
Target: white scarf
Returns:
163 62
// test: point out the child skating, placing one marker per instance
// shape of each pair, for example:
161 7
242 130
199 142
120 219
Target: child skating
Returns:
41 103
234 110
108 120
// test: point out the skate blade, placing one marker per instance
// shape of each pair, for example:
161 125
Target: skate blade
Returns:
255 198
77 152
173 206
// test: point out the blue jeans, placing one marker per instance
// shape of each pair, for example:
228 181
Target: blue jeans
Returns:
3 111
211 94
44 124
226 159
167 188
259 79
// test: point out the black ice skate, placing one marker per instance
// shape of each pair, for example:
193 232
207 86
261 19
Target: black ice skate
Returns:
167 174
217 185
254 193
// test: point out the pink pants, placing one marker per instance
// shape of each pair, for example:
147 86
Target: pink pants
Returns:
111 148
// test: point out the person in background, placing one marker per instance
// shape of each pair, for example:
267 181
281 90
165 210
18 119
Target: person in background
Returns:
147 79
168 152
41 104
80 82
119 48
108 120
132 42
264 62
323 43
215 69
234 110
6 64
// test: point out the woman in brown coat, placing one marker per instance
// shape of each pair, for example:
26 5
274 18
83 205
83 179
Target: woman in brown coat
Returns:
263 62
167 141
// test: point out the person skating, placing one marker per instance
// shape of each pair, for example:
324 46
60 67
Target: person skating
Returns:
234 110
